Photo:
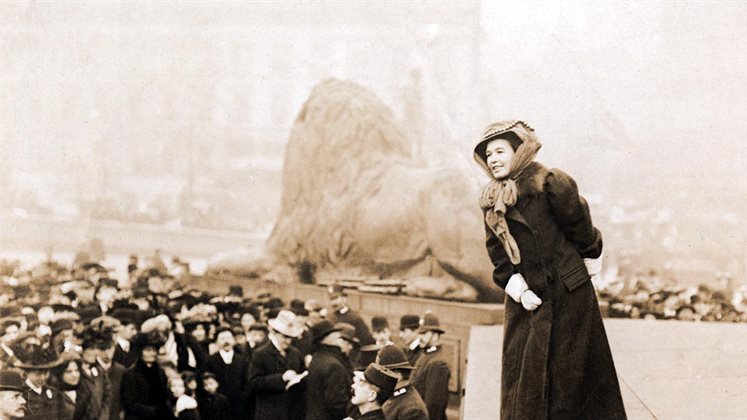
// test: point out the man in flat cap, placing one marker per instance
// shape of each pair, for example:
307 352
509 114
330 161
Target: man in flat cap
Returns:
12 403
371 389
405 402
432 372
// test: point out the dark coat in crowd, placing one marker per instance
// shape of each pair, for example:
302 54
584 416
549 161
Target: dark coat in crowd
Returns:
214 407
114 374
271 400
80 408
349 316
184 344
373 415
405 404
431 379
101 392
556 359
233 380
44 406
125 358
145 392
328 384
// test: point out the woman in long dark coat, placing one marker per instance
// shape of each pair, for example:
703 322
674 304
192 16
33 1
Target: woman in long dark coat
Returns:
556 358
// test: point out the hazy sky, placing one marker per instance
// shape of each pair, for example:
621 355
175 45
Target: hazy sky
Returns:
618 91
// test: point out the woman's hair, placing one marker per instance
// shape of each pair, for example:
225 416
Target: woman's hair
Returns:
512 138
57 372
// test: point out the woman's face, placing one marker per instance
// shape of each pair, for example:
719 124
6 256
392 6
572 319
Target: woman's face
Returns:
498 156
71 375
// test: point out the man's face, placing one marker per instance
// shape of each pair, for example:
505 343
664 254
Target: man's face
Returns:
382 336
210 385
12 404
283 340
256 336
199 332
425 338
225 340
38 377
247 320
362 392
176 385
89 355
149 354
106 354
345 345
408 335
127 332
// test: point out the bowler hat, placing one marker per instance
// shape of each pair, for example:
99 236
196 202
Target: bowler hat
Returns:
285 323
409 321
347 332
322 329
379 323
430 323
11 380
380 376
257 326
393 357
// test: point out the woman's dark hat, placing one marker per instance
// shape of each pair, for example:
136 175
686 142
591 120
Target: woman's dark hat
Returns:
322 329
11 380
393 357
36 358
409 321
430 323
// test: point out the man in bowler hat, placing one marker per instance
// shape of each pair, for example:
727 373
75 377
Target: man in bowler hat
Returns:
329 378
12 403
432 372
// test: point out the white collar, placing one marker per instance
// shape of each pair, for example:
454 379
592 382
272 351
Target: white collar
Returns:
343 310
415 344
33 387
431 349
125 344
400 391
277 346
227 356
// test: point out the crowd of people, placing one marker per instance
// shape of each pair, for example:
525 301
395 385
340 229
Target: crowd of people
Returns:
650 297
76 343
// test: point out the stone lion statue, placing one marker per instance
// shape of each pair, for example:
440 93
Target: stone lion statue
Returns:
355 201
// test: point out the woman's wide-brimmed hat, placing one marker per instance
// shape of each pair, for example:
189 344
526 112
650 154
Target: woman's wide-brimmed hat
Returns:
285 323
36 358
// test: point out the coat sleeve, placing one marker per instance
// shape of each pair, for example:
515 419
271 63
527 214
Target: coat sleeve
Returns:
337 391
572 214
436 396
130 392
261 378
502 266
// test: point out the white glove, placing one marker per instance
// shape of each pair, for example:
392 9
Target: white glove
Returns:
516 286
593 265
288 375
530 301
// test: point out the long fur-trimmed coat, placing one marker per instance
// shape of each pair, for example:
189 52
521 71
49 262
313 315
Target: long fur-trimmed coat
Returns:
556 360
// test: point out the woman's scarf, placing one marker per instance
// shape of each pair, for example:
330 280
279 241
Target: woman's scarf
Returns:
500 194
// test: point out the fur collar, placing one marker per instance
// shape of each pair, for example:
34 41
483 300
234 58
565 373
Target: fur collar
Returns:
532 180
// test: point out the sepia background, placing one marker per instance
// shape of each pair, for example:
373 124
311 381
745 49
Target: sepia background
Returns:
174 117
